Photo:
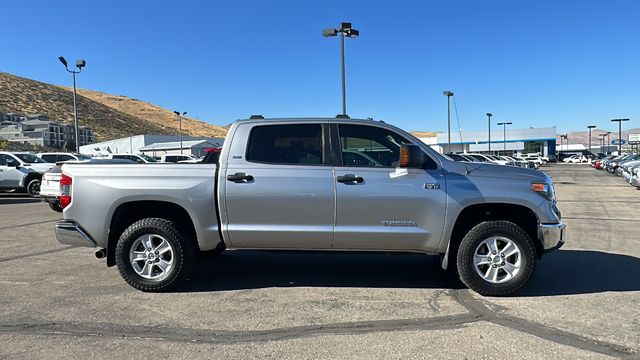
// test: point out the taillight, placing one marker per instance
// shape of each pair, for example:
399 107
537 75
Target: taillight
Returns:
65 190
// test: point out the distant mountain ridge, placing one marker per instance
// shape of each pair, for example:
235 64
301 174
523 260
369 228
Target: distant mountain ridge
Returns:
109 116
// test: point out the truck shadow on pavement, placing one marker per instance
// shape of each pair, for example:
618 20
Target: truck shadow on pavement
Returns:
237 270
570 272
564 272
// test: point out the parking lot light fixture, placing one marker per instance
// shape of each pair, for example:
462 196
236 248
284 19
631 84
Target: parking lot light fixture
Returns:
504 134
348 31
79 65
489 115
448 94
619 121
590 127
180 120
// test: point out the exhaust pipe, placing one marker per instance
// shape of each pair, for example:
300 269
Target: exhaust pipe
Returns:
101 253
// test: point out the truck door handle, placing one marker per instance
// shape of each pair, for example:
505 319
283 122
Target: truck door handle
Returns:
240 177
350 178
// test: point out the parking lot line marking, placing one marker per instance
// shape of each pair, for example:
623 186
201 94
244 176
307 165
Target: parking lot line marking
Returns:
28 224
35 254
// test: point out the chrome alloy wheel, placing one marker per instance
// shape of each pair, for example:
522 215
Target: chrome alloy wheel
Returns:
497 259
151 257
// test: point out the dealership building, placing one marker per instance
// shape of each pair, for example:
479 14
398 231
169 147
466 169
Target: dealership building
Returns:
514 141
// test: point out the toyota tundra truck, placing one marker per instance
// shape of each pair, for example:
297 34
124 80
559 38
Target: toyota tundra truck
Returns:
314 184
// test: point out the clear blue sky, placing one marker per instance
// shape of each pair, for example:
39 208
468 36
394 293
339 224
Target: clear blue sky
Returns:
535 63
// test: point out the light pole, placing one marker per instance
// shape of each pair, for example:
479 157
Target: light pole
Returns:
566 137
590 127
619 121
180 120
79 64
448 94
608 140
348 31
489 115
504 133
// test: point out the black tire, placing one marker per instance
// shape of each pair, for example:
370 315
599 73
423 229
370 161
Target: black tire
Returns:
182 259
55 207
33 188
465 263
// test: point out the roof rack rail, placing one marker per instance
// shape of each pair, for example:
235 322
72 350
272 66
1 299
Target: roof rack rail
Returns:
256 117
342 116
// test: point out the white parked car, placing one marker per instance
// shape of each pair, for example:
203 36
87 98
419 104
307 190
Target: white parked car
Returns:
56 157
140 159
176 158
22 171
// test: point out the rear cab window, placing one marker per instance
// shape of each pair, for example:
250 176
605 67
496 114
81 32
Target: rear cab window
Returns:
295 144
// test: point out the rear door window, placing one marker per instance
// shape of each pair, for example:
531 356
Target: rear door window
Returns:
296 144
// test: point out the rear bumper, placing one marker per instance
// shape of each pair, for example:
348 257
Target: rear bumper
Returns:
70 233
551 235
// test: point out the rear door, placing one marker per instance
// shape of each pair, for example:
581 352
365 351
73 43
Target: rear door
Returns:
279 187
376 209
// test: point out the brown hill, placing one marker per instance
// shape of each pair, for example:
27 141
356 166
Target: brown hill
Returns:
96 110
154 113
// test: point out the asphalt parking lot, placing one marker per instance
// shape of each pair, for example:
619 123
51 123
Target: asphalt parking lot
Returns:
59 302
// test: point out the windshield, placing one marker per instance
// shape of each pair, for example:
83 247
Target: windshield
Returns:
83 157
148 158
29 158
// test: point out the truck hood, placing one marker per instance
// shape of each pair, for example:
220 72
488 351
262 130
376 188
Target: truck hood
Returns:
495 171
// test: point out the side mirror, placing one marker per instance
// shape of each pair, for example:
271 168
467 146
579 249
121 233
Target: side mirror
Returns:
411 156
13 163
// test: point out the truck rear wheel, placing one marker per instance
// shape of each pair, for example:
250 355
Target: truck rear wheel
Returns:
496 258
152 255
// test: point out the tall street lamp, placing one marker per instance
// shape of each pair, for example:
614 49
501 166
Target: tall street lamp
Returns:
180 120
348 31
608 140
566 137
79 64
489 115
619 121
590 127
504 134
448 94
601 141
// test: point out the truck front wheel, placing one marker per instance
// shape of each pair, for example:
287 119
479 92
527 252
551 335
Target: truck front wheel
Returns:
152 255
496 258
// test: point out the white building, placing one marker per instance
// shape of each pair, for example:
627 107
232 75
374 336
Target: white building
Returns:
134 144
532 140
192 147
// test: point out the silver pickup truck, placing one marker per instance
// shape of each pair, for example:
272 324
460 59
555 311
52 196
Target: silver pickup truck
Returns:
314 184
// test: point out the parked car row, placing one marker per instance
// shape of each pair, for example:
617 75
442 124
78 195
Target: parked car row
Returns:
626 166
531 162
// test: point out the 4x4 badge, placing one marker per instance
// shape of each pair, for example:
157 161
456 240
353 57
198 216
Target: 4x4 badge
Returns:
435 186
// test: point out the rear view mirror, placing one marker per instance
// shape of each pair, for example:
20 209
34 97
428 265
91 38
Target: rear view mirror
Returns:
13 163
411 156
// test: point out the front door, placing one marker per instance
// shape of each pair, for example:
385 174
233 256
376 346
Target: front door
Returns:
279 188
377 209
10 177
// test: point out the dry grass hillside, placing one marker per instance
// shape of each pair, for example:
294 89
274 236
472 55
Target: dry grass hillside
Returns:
154 113
108 121
423 134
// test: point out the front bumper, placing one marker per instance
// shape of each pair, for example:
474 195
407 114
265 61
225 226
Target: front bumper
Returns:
551 235
70 233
